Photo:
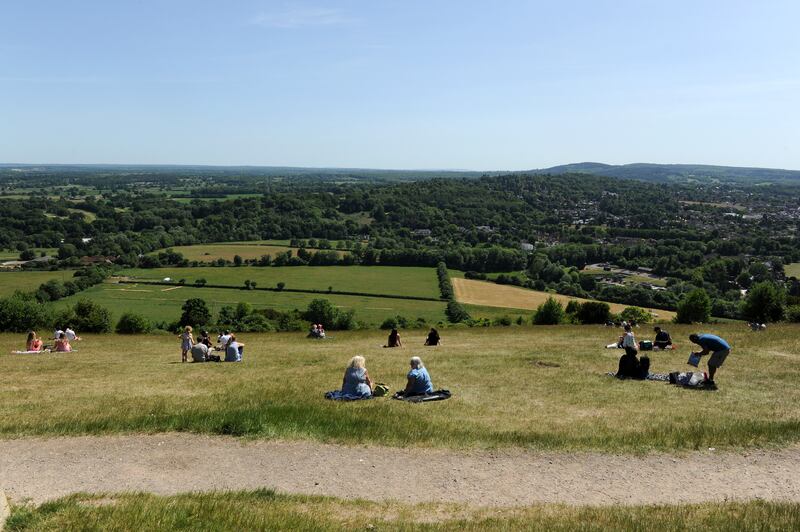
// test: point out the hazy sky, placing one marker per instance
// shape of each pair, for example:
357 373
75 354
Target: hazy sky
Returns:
400 84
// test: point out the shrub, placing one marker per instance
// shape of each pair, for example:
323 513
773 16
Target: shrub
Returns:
281 285
694 308
636 314
324 312
132 323
764 303
396 322
445 286
793 313
200 282
593 312
456 313
195 313
551 312
573 306
86 316
19 314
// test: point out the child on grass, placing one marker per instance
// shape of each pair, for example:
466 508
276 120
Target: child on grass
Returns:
187 341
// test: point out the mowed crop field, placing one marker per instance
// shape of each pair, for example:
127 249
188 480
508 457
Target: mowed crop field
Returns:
519 387
163 303
792 270
11 281
392 280
212 252
494 295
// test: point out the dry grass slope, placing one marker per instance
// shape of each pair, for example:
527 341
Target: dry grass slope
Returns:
488 294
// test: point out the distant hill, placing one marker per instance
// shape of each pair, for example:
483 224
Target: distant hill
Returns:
679 172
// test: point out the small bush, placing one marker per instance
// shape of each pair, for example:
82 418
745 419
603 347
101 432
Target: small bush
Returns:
456 313
636 314
88 316
593 312
551 312
132 323
793 313
764 303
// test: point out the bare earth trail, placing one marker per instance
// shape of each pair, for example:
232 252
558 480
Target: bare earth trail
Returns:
45 468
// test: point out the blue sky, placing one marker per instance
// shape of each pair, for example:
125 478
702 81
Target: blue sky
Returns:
400 84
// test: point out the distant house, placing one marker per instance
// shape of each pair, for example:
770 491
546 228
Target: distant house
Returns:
421 232
97 259
526 246
485 228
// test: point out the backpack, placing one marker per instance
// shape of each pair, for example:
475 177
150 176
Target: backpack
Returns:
380 390
646 345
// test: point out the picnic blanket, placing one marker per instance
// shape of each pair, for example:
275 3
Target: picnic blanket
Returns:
337 395
28 352
437 395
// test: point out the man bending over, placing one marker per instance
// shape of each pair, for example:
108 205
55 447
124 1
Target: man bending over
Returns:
715 345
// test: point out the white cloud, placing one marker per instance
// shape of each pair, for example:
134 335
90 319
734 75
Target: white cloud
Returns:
302 17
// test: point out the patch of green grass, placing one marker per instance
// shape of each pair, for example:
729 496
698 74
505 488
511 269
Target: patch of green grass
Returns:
11 281
212 252
524 387
392 280
267 510
163 303
792 270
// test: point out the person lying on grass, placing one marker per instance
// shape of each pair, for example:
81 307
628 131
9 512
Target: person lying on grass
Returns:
34 343
394 339
356 379
715 345
419 381
433 338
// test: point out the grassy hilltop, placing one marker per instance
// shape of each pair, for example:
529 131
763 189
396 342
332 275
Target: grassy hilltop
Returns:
527 387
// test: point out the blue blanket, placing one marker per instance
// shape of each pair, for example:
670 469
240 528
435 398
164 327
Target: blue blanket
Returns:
337 395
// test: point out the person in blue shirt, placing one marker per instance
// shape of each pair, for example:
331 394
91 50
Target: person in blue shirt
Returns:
419 382
356 379
715 345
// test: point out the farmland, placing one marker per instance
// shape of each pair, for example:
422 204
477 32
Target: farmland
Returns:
494 295
402 281
212 252
163 303
11 281
792 270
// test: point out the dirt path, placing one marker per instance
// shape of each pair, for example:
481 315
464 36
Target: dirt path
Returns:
42 469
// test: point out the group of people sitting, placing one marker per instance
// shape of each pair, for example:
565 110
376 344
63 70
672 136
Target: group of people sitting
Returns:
433 338
61 341
662 340
317 331
202 349
631 366
357 382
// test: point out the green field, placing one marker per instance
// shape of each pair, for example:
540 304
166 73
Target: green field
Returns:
163 303
392 280
10 281
792 270
13 254
212 252
267 510
519 387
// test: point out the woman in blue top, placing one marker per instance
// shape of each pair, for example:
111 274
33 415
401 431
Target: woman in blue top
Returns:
356 378
419 382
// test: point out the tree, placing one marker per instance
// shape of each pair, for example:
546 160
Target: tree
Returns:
593 312
131 323
764 303
322 311
551 312
237 260
281 285
694 308
195 313
253 285
27 254
456 312
18 314
87 316
247 284
200 282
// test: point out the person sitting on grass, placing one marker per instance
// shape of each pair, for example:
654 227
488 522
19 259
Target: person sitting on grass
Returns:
394 339
187 341
419 381
204 339
34 343
663 339
71 335
628 363
718 348
62 344
433 338
356 379
223 339
199 351
234 350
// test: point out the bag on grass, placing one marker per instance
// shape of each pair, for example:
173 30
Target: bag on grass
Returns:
694 359
646 345
380 390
